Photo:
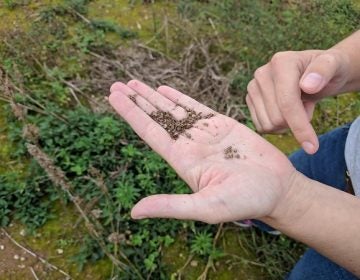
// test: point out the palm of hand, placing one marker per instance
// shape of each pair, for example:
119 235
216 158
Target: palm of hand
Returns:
234 172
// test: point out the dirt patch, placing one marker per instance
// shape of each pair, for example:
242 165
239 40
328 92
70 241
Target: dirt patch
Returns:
16 259
17 263
176 127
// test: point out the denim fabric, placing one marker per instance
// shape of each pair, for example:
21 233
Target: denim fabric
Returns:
315 266
327 165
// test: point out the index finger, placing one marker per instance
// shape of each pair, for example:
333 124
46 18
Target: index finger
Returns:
288 95
144 126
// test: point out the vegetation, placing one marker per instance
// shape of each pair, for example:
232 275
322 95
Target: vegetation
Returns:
78 152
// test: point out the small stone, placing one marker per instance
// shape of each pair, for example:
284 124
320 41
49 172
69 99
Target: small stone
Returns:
16 257
59 251
181 255
96 213
22 259
22 266
2 247
194 263
22 232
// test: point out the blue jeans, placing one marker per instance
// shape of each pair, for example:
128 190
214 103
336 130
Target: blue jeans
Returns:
328 167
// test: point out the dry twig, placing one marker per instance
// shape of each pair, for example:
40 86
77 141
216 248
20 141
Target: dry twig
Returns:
34 274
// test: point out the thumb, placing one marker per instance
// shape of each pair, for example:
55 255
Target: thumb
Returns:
178 206
319 72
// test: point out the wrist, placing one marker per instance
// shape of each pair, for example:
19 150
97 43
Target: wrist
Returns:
347 52
294 204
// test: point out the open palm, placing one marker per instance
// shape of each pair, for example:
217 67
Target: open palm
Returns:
233 172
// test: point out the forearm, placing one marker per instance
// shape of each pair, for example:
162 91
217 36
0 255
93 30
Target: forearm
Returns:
350 47
324 218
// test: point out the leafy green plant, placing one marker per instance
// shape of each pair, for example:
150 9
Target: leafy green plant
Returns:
126 193
25 202
202 243
12 4
9 3
109 26
89 252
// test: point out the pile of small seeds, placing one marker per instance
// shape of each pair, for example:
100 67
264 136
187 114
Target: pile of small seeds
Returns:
231 152
176 127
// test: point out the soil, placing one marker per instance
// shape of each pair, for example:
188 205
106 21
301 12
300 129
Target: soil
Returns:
176 127
16 263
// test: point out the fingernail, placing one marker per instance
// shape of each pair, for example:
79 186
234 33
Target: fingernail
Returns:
308 147
312 81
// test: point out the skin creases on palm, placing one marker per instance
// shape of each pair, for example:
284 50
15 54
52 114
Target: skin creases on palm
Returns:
233 172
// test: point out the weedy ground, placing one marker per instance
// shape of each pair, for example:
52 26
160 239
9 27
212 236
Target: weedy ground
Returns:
70 169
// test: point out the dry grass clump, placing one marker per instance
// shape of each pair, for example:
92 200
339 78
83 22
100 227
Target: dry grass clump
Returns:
196 74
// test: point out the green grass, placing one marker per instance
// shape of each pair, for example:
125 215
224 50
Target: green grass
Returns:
107 165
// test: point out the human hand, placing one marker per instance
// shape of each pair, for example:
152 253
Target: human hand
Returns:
284 91
233 172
